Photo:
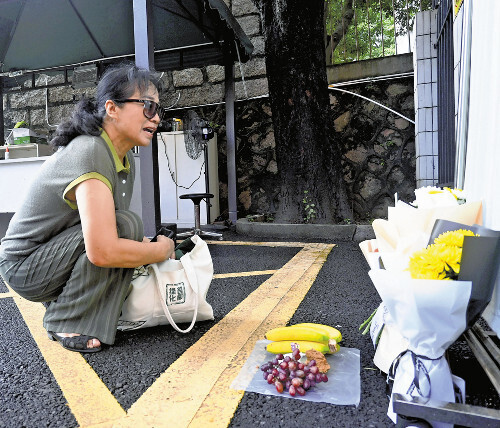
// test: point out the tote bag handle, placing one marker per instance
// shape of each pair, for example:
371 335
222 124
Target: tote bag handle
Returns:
187 264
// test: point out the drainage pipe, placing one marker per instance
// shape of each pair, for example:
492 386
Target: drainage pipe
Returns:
463 97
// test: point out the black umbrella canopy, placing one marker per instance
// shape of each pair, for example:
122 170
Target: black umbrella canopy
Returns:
48 35
43 34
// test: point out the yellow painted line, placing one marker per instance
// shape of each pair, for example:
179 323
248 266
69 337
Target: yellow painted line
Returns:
258 244
88 398
219 406
195 388
4 295
238 274
178 395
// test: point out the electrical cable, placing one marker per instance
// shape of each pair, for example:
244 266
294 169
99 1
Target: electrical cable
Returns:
375 102
174 104
241 70
170 169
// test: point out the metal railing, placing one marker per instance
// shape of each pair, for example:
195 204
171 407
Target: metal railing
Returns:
364 29
446 93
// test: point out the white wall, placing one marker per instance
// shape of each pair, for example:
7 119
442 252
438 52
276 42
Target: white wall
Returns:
190 178
16 176
482 176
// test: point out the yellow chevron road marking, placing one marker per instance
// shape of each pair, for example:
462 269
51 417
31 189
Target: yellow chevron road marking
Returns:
258 244
4 295
188 383
195 388
238 274
220 404
88 398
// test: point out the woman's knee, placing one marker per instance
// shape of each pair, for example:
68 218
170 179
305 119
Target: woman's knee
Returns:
129 225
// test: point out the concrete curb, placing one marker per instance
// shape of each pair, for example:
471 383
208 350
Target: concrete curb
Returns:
338 232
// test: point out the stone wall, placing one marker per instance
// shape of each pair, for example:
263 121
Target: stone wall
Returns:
378 146
195 86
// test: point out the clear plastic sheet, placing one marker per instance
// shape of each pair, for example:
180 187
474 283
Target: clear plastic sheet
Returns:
344 379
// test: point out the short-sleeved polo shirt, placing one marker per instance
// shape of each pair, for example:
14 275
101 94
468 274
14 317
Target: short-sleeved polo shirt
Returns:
46 210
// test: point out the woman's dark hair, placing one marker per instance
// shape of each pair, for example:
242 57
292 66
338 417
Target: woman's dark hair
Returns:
117 83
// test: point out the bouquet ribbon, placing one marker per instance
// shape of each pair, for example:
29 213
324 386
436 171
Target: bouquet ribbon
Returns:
419 370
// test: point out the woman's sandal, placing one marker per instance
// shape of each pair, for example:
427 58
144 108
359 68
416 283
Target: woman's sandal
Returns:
74 343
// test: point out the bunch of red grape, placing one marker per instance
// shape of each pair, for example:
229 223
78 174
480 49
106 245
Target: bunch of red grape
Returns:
289 374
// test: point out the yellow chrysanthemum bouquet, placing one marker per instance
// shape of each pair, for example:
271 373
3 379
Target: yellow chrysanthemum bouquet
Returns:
409 225
440 260
407 230
434 270
441 292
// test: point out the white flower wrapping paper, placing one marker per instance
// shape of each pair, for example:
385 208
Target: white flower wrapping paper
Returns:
407 228
422 318
430 313
391 342
431 316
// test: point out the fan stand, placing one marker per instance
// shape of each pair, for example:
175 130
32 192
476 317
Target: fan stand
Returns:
196 198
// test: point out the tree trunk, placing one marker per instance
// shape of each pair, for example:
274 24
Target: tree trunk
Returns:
340 31
308 162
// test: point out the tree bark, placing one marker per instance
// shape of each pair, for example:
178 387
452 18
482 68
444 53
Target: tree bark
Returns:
308 162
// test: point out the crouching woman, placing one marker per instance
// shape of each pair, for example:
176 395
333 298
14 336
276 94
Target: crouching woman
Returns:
74 242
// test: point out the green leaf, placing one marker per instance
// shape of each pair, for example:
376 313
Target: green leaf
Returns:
368 320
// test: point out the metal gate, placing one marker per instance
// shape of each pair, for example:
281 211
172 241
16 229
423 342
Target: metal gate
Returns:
446 91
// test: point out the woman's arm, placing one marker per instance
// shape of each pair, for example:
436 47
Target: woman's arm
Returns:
103 246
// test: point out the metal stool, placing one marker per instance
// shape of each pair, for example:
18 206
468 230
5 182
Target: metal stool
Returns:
197 198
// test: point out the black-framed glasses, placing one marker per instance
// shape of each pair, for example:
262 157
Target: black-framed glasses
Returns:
151 108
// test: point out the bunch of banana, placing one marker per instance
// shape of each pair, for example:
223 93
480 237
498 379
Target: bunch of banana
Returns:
320 337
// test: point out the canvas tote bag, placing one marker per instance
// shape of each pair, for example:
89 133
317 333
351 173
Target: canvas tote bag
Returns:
171 292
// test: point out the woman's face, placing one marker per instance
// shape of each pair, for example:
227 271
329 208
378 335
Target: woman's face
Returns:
133 127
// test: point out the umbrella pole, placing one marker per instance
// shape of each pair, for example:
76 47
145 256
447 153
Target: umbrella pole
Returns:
231 141
144 58
1 109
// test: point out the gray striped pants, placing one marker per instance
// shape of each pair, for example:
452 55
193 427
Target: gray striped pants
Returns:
83 298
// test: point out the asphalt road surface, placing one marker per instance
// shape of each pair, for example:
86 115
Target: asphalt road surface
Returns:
158 377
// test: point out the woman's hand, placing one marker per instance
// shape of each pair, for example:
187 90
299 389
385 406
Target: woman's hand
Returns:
168 244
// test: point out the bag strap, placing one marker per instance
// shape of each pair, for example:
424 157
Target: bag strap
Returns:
193 280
